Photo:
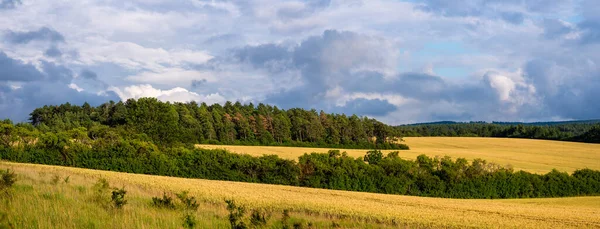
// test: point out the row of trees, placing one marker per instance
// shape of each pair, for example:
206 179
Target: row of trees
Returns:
582 132
425 176
233 123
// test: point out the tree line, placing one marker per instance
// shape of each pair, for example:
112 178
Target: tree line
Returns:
233 123
568 131
100 148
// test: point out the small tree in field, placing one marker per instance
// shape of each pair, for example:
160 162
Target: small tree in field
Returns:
118 198
236 215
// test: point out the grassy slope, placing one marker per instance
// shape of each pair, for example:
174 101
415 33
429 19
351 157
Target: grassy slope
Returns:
39 204
538 156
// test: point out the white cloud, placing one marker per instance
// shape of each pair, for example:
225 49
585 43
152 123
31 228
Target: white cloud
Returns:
177 94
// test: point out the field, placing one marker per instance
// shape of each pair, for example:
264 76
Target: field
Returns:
537 156
38 203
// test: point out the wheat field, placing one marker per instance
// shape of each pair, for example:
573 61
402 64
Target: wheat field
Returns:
39 204
537 156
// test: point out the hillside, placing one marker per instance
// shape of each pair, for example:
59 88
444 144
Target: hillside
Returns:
537 156
578 131
38 203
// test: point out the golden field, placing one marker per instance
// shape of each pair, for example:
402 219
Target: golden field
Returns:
537 156
37 203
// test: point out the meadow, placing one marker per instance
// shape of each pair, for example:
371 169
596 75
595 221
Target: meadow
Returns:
536 156
40 202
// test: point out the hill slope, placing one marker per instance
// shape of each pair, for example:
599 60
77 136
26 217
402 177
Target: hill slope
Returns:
40 204
538 156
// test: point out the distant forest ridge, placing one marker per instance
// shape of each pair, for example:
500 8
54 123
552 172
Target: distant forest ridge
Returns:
232 123
546 123
578 131
168 124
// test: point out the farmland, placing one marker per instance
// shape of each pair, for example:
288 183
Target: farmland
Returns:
37 203
537 156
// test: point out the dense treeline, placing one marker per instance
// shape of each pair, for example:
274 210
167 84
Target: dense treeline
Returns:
581 132
438 177
233 123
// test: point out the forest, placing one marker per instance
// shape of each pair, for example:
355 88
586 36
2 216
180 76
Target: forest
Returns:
105 149
170 124
586 131
152 137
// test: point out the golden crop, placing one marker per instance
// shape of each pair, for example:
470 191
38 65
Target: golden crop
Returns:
537 156
351 208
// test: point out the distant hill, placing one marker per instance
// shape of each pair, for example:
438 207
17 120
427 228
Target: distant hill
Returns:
548 123
579 131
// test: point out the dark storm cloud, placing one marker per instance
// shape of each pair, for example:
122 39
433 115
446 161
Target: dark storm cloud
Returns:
38 88
16 70
42 34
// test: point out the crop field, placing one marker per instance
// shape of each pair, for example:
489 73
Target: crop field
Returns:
38 202
537 156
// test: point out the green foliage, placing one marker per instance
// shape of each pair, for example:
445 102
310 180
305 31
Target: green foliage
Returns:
100 195
164 202
236 215
373 157
189 202
7 180
151 137
189 221
285 219
189 123
259 218
118 198
566 131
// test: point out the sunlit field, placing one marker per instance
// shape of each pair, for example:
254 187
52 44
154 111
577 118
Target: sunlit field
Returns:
537 156
38 202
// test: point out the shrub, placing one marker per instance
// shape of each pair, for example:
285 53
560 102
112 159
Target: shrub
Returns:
236 215
8 179
285 218
189 202
259 218
118 198
101 192
298 226
189 221
164 202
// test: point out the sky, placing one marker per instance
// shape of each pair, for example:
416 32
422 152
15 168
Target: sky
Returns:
396 61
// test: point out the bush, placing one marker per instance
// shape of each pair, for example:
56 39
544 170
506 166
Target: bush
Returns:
164 202
100 195
236 215
118 198
189 221
189 202
285 218
8 179
259 218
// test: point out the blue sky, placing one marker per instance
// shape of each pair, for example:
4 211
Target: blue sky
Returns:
398 61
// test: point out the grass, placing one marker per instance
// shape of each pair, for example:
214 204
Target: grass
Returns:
537 156
37 203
